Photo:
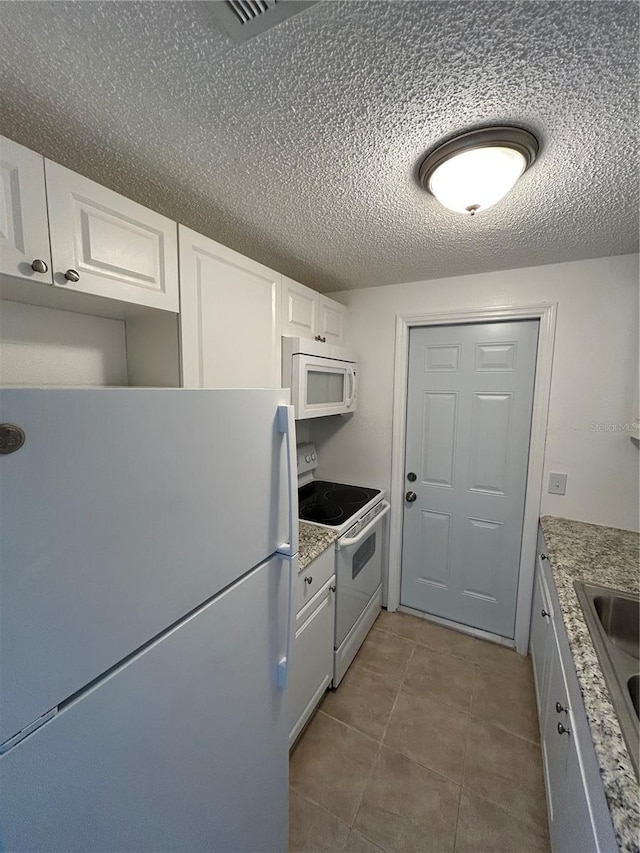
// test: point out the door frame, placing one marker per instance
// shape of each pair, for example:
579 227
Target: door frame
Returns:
545 313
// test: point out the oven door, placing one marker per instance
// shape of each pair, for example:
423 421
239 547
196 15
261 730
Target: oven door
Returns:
358 572
322 386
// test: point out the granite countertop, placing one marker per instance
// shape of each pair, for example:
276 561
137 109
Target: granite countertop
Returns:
313 541
607 556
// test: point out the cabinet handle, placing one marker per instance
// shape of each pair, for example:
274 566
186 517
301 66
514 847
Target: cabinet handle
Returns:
332 588
543 557
308 579
72 275
562 730
321 339
544 613
560 708
39 265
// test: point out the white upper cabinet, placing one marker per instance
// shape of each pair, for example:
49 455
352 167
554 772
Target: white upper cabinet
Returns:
107 245
308 314
229 317
24 231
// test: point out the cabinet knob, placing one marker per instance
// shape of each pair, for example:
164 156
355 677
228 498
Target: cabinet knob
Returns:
39 265
308 579
560 708
410 497
562 730
321 339
543 557
332 588
544 613
72 275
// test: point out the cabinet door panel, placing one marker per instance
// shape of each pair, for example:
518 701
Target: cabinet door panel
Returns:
230 335
554 748
540 631
311 659
331 321
299 309
24 230
120 249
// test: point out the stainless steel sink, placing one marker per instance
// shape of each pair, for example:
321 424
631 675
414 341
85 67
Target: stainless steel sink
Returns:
613 620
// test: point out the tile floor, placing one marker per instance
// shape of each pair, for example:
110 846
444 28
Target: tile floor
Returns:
430 744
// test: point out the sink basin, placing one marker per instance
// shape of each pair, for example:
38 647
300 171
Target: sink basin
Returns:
619 618
613 619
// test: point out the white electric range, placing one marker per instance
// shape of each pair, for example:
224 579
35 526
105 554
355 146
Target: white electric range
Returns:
358 515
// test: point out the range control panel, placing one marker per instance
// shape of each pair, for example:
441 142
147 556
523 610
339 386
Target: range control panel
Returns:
307 458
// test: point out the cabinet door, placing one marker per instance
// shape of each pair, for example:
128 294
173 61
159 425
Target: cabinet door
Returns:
299 309
554 749
540 632
311 658
24 230
331 321
118 248
229 330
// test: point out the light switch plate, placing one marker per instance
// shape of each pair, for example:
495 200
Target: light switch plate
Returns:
557 484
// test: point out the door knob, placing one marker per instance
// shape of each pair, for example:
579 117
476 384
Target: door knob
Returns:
72 275
410 497
39 265
411 477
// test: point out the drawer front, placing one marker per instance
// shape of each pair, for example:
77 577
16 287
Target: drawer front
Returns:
314 577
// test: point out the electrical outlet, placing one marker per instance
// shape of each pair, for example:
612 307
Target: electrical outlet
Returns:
557 484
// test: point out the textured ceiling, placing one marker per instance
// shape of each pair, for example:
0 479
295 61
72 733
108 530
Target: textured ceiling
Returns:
299 148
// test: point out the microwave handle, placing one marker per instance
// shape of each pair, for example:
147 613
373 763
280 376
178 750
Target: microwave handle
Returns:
353 540
287 426
352 387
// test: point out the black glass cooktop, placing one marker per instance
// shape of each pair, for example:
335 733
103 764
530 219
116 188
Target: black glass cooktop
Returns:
332 503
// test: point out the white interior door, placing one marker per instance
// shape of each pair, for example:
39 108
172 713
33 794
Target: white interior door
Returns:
469 403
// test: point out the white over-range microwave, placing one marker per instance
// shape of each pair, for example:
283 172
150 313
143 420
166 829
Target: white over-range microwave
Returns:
323 378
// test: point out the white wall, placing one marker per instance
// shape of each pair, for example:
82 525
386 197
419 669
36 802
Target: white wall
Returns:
595 372
44 346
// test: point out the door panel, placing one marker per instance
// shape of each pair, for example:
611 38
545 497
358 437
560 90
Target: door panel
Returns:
24 228
470 396
184 748
124 510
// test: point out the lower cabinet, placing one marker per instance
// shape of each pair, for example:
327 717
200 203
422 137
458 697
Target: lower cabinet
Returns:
578 815
312 652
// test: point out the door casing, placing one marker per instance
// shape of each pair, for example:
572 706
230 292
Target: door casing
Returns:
546 314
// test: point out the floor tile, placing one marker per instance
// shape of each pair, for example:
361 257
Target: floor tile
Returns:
442 676
483 826
505 769
429 634
506 701
314 830
385 654
504 660
358 844
331 765
363 700
406 808
428 732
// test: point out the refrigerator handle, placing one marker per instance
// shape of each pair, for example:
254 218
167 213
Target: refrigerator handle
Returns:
287 426
284 664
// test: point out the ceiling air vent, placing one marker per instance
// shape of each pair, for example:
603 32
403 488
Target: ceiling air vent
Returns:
241 20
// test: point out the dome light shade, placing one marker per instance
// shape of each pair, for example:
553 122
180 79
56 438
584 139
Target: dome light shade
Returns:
475 170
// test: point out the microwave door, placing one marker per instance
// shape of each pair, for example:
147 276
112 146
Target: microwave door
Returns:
323 387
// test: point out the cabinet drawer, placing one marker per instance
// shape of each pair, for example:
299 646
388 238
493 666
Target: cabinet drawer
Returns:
314 577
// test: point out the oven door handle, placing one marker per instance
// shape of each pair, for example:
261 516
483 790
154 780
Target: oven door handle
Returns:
347 543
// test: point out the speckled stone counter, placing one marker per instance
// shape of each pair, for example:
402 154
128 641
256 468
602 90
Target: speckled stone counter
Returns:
607 556
313 541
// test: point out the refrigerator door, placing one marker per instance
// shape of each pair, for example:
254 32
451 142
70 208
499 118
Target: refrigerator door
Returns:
184 748
124 510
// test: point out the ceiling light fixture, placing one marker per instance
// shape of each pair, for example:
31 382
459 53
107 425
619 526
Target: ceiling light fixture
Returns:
474 171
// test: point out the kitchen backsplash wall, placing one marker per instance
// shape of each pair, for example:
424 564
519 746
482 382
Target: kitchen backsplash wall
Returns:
45 346
595 371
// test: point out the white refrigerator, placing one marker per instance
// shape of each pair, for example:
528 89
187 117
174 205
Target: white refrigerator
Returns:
148 549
